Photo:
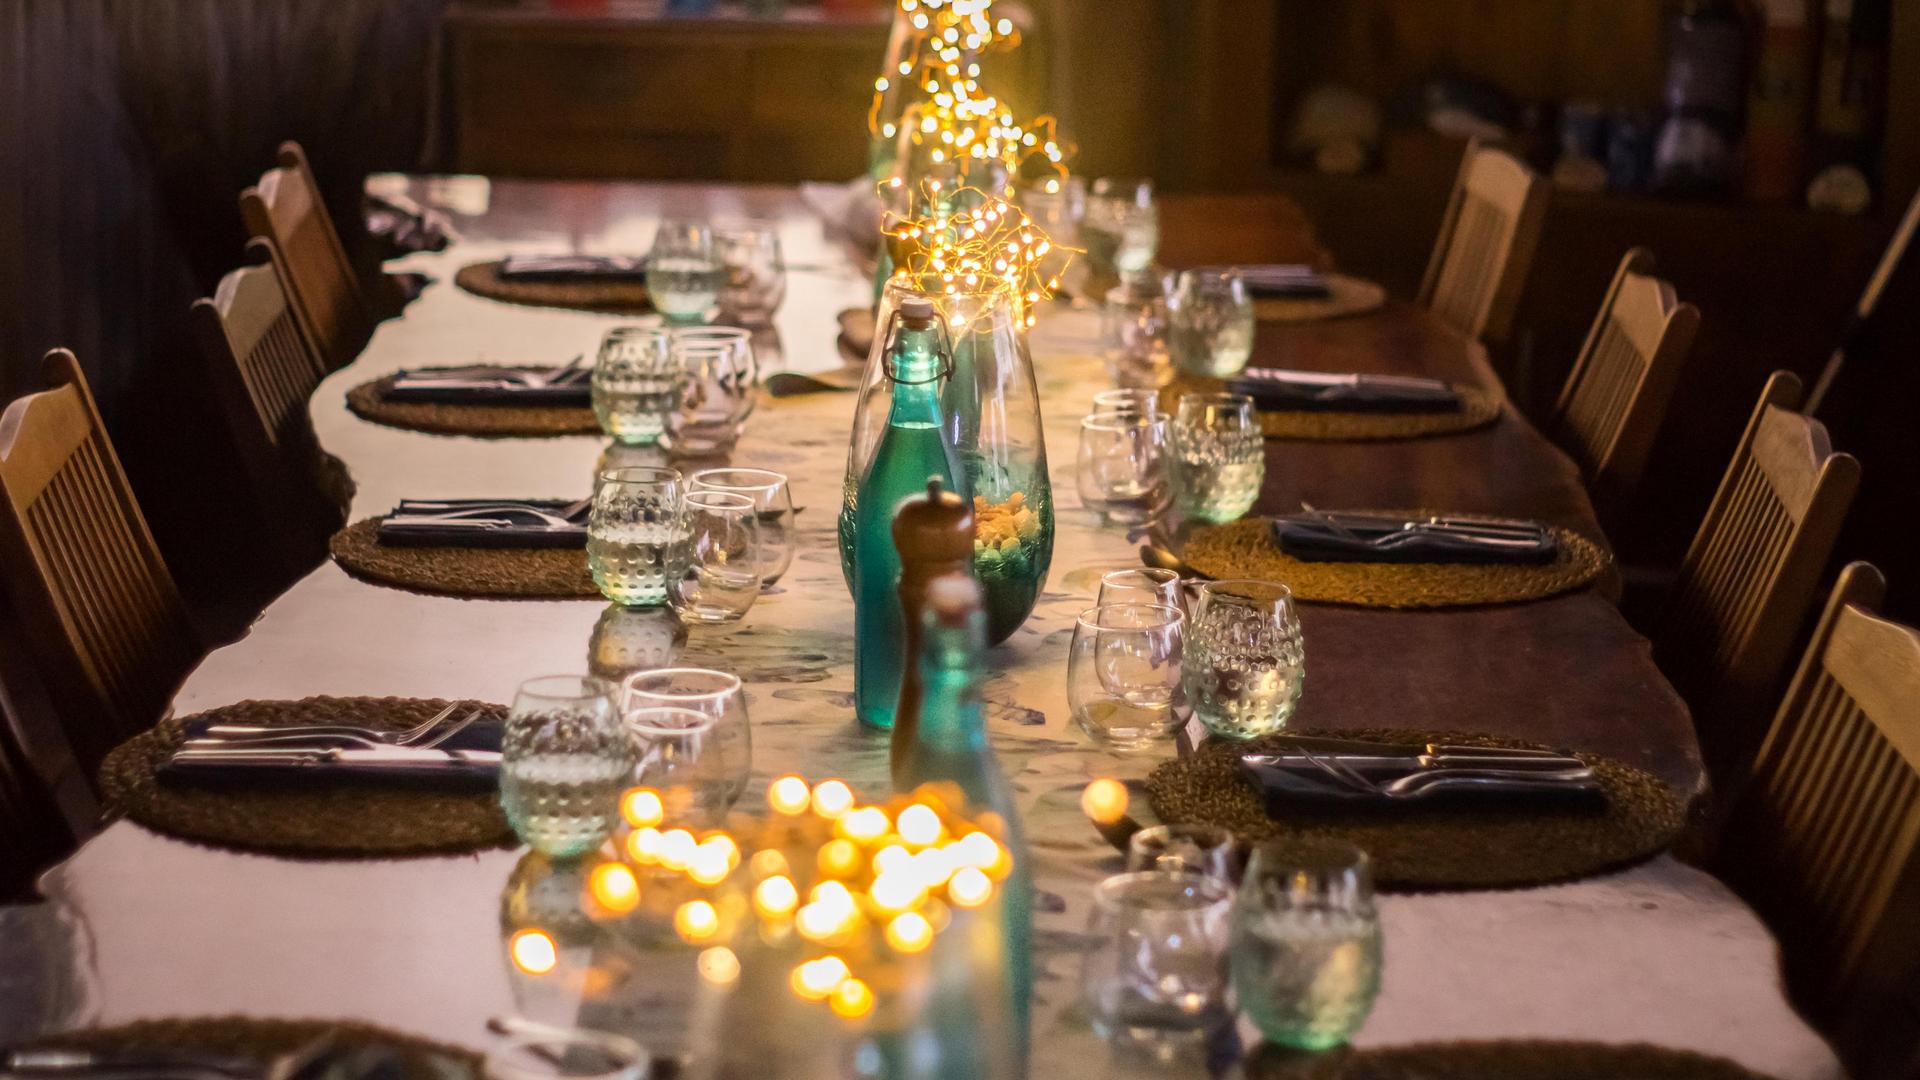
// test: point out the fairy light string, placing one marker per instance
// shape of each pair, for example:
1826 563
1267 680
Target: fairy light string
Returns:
965 242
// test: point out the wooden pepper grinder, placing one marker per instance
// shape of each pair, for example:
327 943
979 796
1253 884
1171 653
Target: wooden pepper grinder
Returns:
934 536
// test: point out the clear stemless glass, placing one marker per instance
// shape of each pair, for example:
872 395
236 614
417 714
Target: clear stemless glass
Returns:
1123 466
716 391
633 382
1145 585
772 499
1246 659
1185 849
1210 323
1123 673
577 1054
684 274
1133 330
1121 229
719 569
1219 458
637 527
1128 402
715 693
677 756
756 280
564 759
1156 971
1306 943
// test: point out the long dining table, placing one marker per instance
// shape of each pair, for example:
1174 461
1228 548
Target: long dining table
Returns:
141 925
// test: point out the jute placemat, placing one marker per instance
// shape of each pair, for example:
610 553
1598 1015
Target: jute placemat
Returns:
323 821
607 297
248 1037
1436 846
1504 1059
1246 549
1478 408
1346 296
497 573
369 402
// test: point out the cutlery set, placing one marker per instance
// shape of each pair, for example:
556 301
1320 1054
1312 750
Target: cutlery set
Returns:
569 383
478 522
418 751
1303 768
1320 536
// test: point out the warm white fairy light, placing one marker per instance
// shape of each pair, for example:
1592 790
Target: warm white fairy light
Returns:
992 246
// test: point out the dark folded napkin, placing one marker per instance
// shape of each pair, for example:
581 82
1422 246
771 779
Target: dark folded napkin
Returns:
495 385
485 523
573 268
437 767
1321 537
1284 281
1278 389
1362 781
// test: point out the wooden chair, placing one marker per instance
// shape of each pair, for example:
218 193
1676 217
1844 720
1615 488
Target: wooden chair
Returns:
1487 239
110 635
1824 837
1749 577
286 208
1617 394
265 369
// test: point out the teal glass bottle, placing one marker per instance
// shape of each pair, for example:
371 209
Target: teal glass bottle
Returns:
914 448
950 746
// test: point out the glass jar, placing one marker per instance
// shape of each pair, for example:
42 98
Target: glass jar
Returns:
992 408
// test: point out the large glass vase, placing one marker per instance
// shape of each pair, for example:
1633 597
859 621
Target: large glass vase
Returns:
992 407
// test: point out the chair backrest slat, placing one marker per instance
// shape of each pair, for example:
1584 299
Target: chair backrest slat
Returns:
1616 396
285 207
1749 577
1825 833
1487 239
103 612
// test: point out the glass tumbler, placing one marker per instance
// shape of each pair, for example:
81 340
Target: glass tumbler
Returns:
1121 228
637 528
717 384
1306 943
1123 673
1210 323
1219 457
1246 659
1122 470
1156 972
633 384
1134 330
773 501
564 759
715 693
1145 585
677 756
684 273
1127 402
756 280
1185 849
719 566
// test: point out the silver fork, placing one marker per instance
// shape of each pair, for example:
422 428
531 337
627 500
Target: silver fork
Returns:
255 733
565 515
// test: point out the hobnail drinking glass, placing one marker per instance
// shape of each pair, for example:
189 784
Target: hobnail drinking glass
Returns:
637 527
684 274
717 694
1210 323
564 759
719 567
633 384
1246 661
1306 943
717 384
1156 973
1123 673
772 500
1122 469
756 281
1219 457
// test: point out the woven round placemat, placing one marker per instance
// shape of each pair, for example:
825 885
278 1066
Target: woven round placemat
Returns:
496 573
1503 1059
334 821
259 1039
1346 296
1478 408
1246 549
1436 846
606 297
369 402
